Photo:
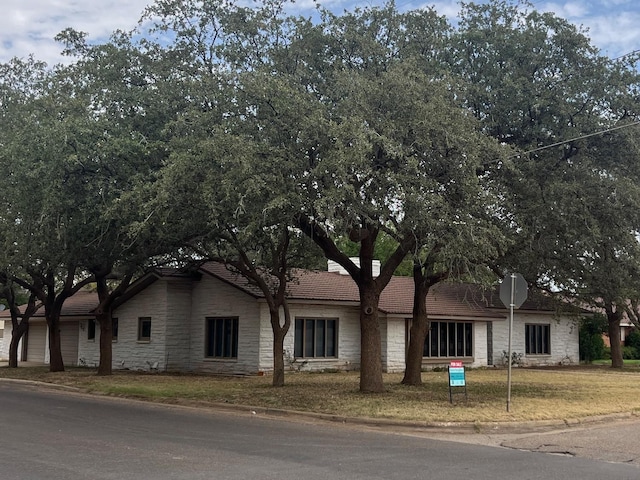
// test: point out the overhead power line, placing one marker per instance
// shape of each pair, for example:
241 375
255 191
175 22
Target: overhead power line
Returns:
619 127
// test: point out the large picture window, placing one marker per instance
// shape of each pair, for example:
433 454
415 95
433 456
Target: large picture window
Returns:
316 338
538 339
221 337
449 339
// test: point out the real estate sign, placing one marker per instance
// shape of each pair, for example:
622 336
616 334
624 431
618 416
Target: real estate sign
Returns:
456 374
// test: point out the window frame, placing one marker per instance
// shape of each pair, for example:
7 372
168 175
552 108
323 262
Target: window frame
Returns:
448 339
221 336
141 322
537 339
91 330
321 343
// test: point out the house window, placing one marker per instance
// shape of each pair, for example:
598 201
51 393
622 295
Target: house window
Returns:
449 339
144 329
316 338
538 339
114 329
91 330
221 337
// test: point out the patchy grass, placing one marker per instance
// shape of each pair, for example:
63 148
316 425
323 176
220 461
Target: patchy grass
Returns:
560 393
627 363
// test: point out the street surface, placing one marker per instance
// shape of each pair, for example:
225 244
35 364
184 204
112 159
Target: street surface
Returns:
50 434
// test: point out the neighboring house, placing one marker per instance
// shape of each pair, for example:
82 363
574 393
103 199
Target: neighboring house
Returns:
210 320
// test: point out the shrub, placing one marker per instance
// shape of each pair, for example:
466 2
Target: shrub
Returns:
633 341
591 342
629 353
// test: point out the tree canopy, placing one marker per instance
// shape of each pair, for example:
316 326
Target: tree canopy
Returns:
245 135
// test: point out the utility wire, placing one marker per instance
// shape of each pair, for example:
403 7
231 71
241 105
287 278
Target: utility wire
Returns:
619 127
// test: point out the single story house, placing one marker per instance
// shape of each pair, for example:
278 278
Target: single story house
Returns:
211 320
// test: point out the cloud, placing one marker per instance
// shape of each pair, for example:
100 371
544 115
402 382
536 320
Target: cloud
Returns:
612 25
29 26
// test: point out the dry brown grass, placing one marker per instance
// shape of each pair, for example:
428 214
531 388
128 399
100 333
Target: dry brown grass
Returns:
537 394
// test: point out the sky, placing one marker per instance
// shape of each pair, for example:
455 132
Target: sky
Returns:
29 26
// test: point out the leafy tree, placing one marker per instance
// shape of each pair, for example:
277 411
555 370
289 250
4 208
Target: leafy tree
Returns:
234 186
128 103
37 151
393 153
20 82
351 126
569 198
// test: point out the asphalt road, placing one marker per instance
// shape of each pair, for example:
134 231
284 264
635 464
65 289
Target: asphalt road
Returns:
49 434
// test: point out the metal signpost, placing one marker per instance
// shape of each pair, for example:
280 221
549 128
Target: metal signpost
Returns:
513 293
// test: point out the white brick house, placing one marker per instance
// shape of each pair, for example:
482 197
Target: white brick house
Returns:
212 321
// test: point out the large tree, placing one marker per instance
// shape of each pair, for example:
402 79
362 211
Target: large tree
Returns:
392 152
355 118
227 192
569 198
40 215
128 103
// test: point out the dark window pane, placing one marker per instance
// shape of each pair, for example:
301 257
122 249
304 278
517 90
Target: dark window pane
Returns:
320 338
468 340
226 341
114 329
218 335
459 339
309 340
299 338
451 350
234 344
209 338
443 339
332 338
427 342
435 335
144 328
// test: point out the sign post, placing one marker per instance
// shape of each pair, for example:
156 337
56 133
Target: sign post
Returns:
456 378
513 293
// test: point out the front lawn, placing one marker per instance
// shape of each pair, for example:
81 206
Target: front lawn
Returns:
561 393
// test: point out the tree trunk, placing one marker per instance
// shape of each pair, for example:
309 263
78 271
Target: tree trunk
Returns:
370 341
17 333
105 367
614 338
278 357
279 332
56 364
418 333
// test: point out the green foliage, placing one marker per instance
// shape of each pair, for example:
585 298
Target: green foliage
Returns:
591 342
632 341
